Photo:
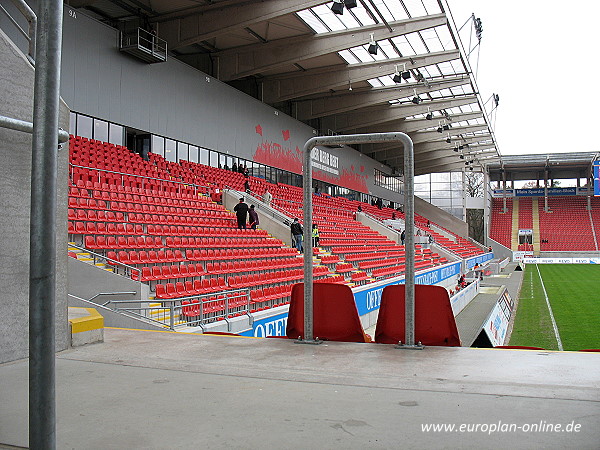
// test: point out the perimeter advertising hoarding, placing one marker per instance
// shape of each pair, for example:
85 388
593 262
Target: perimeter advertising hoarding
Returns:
561 260
367 300
496 324
597 178
480 259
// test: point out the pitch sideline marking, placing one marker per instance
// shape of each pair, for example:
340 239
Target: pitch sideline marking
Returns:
558 341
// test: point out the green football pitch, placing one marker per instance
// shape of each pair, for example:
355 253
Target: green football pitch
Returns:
573 291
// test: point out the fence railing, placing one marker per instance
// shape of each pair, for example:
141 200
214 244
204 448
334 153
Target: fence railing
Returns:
193 311
31 18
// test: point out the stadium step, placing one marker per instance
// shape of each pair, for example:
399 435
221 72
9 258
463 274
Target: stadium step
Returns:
514 242
536 226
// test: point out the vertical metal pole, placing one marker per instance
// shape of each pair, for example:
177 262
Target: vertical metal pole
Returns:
409 201
409 211
307 244
42 276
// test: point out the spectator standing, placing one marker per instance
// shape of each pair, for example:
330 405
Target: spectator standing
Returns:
315 235
247 186
253 217
234 167
403 236
379 203
297 233
241 211
267 197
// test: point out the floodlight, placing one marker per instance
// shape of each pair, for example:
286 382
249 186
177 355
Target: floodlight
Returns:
372 46
406 75
337 7
397 78
350 4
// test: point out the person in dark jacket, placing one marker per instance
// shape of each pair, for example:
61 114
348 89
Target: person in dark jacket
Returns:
241 211
297 233
403 236
253 217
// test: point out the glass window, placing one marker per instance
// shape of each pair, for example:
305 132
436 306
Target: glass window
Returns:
182 151
170 150
115 134
158 145
100 130
193 153
203 157
84 126
72 123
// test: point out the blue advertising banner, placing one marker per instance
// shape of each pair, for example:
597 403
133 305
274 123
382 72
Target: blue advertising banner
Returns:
370 299
596 178
539 192
478 259
269 326
366 301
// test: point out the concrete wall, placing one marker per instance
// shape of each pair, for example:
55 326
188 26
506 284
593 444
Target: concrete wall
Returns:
86 280
375 225
441 217
16 92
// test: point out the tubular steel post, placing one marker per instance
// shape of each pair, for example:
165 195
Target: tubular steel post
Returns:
410 223
27 127
42 266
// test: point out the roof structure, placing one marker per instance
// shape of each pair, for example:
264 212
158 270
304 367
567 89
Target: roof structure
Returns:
301 58
554 166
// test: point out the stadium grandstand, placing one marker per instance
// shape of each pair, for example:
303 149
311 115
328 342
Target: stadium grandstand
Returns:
135 134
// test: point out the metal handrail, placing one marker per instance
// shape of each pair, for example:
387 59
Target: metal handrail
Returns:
175 307
31 18
27 127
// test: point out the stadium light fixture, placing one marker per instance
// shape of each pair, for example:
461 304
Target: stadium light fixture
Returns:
439 128
416 99
337 7
429 115
350 4
372 45
396 78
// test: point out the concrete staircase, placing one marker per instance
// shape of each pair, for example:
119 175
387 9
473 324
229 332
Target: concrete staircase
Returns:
86 257
536 226
514 241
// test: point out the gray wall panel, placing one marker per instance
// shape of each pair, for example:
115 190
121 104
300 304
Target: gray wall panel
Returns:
174 100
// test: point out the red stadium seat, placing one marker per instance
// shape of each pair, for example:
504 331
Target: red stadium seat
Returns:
335 314
434 319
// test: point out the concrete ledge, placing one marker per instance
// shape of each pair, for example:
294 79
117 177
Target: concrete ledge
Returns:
87 326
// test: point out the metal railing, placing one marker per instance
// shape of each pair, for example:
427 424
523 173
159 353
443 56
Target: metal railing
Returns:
143 40
192 311
30 35
118 267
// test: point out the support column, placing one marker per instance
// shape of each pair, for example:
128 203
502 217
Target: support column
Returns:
42 266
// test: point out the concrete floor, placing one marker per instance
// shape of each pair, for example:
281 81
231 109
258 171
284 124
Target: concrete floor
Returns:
157 390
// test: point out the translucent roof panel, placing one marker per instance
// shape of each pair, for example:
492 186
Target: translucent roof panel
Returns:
313 21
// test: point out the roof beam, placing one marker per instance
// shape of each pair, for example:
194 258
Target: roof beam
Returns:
424 147
428 136
252 59
210 22
344 101
388 113
301 84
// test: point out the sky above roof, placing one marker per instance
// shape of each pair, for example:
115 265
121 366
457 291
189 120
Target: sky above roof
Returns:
541 59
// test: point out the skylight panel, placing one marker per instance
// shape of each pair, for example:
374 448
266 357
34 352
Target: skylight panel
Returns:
445 39
387 80
362 16
330 19
362 54
431 6
348 57
432 40
415 41
403 46
386 46
415 7
312 21
349 21
446 68
375 82
384 10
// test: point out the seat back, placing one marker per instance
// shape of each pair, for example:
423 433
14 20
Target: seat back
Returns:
434 320
334 311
